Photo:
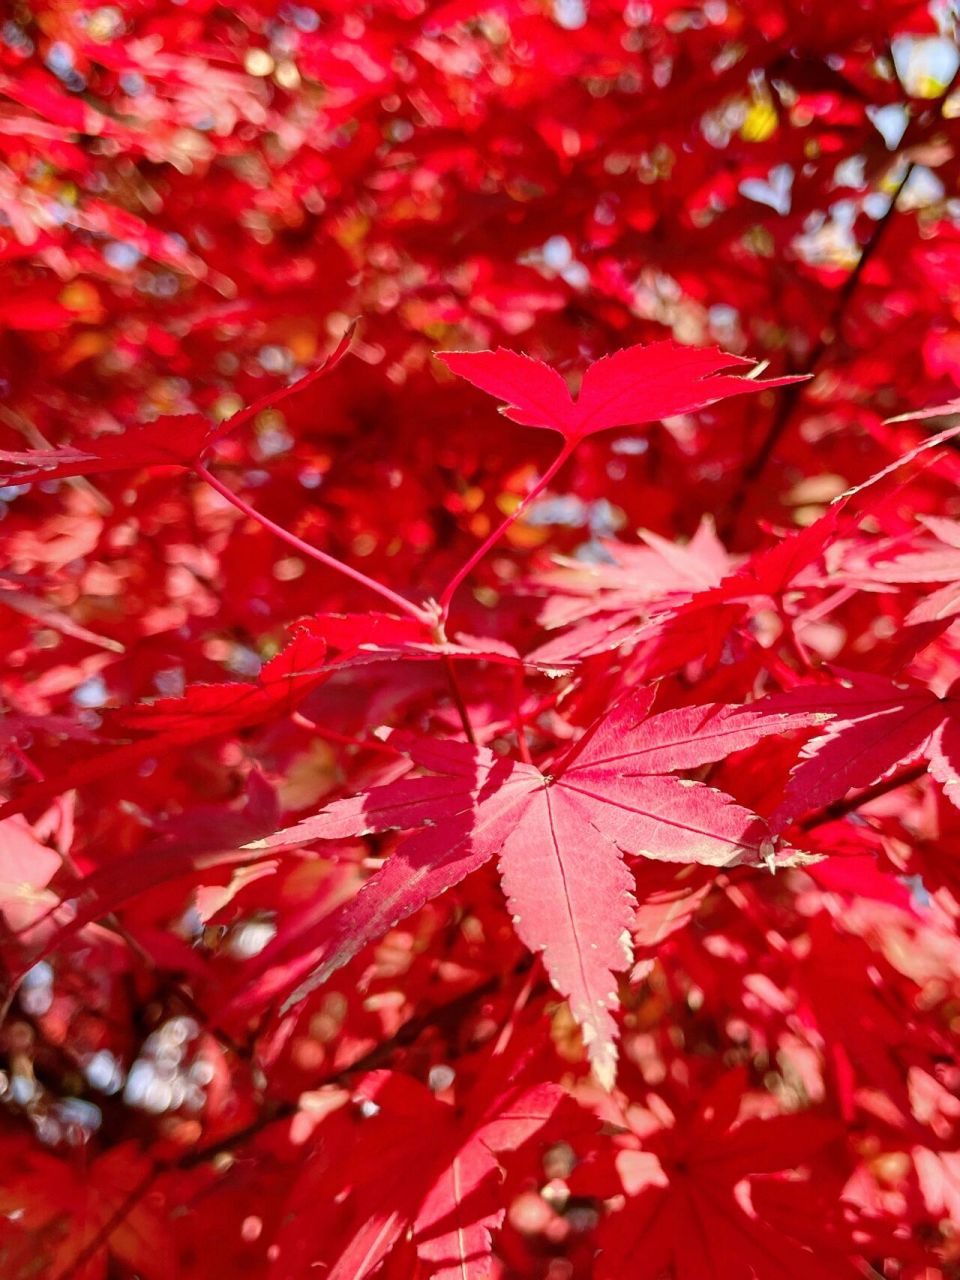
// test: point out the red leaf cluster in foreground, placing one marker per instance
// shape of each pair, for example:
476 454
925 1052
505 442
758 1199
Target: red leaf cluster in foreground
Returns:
447 844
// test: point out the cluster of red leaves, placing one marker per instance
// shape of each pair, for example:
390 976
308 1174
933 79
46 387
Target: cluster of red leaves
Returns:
591 907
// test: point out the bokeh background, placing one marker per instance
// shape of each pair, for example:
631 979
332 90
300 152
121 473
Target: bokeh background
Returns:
195 202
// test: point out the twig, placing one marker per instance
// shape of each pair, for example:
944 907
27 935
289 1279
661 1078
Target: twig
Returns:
828 332
458 701
116 1219
450 590
314 553
840 808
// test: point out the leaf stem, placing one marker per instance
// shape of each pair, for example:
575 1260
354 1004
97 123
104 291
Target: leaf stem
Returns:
522 743
458 701
331 735
450 589
314 553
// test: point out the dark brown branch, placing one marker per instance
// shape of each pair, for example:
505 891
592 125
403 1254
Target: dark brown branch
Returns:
790 398
274 1114
414 1027
116 1220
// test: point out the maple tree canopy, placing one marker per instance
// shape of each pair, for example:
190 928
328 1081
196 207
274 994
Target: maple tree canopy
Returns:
480 590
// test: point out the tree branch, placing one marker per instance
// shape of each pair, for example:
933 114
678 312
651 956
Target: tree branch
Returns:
840 808
790 397
314 553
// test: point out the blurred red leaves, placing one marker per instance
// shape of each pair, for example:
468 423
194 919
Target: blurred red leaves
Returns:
591 908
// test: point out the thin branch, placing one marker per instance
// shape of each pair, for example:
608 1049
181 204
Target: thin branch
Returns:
450 590
101 1237
458 701
459 1006
790 397
314 553
840 808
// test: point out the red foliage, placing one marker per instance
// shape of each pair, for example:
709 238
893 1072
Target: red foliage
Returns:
430 848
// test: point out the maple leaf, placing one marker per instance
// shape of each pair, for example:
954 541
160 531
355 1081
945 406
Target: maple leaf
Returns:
875 726
448 1201
14 597
169 441
932 411
687 1214
191 197
364 638
698 625
841 971
106 1204
938 561
172 855
560 837
204 711
668 898
630 578
643 383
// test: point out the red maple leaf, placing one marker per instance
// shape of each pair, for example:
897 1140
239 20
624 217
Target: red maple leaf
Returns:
643 383
875 727
560 836
701 1200
169 441
364 638
936 561
448 1199
701 620
204 711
